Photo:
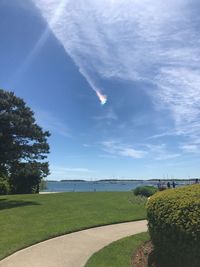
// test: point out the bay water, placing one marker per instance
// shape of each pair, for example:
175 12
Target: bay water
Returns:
89 186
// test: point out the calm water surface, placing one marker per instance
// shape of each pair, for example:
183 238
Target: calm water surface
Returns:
94 186
100 186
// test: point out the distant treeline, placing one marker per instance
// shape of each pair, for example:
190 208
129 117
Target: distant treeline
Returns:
77 181
125 180
119 180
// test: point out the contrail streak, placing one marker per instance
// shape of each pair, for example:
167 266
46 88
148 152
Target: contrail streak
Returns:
55 14
102 97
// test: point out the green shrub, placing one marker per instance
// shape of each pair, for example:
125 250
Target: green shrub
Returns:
145 191
174 225
4 187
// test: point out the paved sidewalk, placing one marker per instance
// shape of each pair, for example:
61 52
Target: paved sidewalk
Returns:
72 250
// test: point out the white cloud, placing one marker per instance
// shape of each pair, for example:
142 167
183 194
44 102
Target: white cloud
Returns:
179 91
160 152
191 148
60 172
163 134
109 115
117 148
65 170
148 151
150 40
133 153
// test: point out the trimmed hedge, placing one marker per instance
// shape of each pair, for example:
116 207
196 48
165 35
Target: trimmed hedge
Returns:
145 191
174 225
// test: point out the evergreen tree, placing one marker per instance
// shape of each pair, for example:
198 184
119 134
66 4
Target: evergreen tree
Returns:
23 144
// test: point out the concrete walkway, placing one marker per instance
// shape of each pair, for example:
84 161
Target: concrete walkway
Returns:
72 250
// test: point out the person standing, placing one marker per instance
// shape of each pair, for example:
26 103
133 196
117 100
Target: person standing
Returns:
159 185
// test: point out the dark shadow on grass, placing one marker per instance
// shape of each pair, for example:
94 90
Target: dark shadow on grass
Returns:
9 204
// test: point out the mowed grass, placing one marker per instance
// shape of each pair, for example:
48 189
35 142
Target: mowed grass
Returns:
28 219
119 253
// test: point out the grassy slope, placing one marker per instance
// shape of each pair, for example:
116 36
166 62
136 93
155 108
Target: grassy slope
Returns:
118 253
27 219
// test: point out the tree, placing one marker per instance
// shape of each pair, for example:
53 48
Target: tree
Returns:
26 177
23 144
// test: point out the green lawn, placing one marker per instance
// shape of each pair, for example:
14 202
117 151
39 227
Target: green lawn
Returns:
119 253
27 219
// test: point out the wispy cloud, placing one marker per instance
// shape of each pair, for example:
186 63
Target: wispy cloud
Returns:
179 89
191 147
151 40
107 115
60 172
148 151
117 148
160 152
51 123
59 169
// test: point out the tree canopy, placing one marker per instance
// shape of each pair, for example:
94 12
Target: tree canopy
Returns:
23 143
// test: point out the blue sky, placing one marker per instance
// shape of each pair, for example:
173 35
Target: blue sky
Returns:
117 83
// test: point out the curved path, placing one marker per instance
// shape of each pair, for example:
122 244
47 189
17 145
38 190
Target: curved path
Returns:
72 250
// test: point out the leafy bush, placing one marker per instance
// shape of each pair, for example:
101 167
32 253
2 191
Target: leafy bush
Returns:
4 187
145 191
174 225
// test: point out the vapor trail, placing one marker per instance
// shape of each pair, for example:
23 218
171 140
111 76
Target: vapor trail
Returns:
56 14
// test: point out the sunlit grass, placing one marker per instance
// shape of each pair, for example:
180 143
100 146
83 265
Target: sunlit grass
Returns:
28 219
119 253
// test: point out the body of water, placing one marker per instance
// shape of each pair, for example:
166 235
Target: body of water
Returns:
103 186
94 186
